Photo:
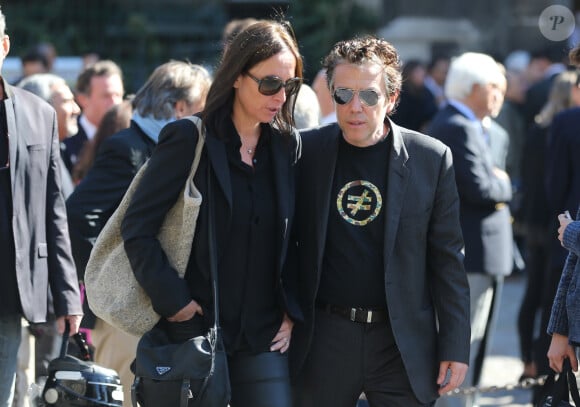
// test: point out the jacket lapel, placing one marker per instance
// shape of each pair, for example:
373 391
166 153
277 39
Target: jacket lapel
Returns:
282 180
219 162
281 165
398 177
325 166
12 139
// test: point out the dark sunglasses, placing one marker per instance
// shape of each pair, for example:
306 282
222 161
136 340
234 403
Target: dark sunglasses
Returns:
344 95
270 85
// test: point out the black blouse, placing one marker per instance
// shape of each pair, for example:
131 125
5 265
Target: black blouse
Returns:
247 266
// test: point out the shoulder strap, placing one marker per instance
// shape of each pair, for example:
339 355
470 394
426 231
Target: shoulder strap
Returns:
200 141
212 254
572 384
212 247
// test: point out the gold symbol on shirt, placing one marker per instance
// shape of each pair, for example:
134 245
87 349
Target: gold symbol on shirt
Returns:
363 202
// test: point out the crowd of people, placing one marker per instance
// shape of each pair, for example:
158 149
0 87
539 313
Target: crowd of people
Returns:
364 226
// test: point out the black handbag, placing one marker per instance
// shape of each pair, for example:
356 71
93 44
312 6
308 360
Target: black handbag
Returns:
556 392
188 374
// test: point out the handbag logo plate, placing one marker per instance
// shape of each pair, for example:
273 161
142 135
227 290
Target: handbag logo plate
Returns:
161 370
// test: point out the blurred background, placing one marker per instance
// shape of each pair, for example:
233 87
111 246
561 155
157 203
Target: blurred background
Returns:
141 34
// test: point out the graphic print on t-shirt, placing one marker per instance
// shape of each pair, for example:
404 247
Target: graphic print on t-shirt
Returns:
359 202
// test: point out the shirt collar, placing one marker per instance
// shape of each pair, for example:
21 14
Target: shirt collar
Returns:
89 128
464 109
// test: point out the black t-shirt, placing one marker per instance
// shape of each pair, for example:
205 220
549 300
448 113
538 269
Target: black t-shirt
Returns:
353 264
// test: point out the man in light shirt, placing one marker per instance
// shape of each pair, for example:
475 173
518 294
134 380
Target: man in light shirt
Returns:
98 88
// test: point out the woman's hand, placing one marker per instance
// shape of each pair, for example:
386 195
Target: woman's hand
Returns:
564 219
281 341
559 350
186 313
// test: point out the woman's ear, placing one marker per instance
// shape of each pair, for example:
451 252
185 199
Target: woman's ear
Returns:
237 82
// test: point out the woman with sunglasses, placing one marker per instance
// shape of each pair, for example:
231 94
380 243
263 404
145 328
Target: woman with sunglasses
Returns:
246 175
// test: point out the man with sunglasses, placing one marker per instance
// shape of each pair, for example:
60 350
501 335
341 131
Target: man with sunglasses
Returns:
378 248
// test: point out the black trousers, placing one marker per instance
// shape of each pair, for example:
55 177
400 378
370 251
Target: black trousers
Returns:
531 306
260 380
347 358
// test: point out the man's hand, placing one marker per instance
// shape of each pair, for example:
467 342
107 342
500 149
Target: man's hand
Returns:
564 219
457 371
74 322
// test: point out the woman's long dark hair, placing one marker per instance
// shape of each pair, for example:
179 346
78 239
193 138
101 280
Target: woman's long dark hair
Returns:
253 45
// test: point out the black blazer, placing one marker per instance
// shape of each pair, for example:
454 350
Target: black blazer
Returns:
98 195
39 226
485 216
562 180
424 274
164 179
71 147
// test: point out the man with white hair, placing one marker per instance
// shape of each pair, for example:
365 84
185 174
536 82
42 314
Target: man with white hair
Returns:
54 90
475 88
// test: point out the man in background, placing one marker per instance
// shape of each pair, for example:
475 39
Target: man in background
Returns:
98 87
475 88
54 90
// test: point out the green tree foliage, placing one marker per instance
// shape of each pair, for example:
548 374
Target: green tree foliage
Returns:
141 34
319 24
138 35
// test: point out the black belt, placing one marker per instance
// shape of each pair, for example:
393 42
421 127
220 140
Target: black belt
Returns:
361 315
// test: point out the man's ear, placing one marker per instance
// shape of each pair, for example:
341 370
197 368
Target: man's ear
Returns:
475 88
392 102
180 109
5 45
81 99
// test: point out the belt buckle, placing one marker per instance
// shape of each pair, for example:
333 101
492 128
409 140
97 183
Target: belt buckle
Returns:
369 317
353 314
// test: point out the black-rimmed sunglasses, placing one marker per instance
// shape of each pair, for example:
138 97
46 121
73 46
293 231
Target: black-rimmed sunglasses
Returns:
344 95
270 85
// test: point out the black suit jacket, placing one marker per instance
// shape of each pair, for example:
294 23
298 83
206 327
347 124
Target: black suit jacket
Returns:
39 223
562 180
485 218
98 195
424 275
72 146
164 179
536 97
